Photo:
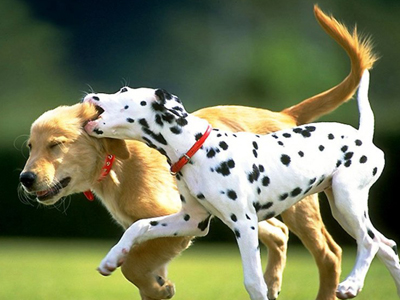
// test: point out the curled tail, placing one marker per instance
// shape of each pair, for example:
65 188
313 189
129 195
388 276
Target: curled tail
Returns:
367 121
362 58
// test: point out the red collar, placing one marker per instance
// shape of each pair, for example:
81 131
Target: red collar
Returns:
104 172
176 167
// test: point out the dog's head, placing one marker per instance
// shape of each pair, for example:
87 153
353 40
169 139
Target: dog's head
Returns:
63 158
136 114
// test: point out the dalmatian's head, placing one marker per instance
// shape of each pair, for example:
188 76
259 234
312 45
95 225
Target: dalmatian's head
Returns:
136 114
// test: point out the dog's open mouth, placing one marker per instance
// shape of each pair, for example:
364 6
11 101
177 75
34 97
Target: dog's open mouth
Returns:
99 110
54 190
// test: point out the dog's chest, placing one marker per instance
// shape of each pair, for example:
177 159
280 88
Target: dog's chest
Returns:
271 172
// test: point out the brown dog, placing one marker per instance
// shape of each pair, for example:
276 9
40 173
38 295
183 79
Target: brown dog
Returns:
65 160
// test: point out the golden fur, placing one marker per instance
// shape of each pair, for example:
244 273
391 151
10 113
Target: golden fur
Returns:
140 185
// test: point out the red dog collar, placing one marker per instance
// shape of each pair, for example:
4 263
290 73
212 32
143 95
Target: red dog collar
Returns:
176 167
104 172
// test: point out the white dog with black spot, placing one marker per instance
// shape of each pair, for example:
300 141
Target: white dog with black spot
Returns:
243 178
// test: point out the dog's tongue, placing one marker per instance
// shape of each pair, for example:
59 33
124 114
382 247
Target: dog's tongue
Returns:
41 193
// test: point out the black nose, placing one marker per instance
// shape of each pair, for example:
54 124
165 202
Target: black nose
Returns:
27 179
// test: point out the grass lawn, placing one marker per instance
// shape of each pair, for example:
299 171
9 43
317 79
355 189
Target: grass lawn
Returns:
64 269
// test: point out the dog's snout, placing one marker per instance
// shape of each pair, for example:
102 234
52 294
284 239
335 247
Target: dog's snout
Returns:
27 179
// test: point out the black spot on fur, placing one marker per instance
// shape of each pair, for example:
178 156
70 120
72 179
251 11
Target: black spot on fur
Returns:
321 180
363 159
395 249
371 234
233 218
344 148
183 200
301 153
211 153
283 196
358 142
307 190
181 122
98 131
130 120
347 163
331 136
225 166
157 106
285 159
269 215
321 148
223 145
261 168
265 181
287 135
338 163
158 137
126 106
374 171
232 194
167 117
153 223
297 191
348 155
159 120
176 130
204 224
312 181
267 205
257 206
200 196
255 145
254 175
255 153
281 143
237 233
144 123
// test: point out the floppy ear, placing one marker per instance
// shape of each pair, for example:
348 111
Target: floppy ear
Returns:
116 147
162 95
86 111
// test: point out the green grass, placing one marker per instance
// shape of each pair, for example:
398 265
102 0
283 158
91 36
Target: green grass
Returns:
63 269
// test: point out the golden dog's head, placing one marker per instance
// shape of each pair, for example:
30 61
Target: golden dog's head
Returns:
63 158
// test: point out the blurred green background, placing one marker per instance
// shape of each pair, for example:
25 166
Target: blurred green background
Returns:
269 54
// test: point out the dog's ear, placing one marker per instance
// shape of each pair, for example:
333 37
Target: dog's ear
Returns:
162 95
116 147
86 111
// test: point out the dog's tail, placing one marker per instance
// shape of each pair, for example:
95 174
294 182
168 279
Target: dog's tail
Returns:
367 122
362 58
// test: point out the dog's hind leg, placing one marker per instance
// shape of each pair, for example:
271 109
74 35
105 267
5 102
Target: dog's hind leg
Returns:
388 254
304 219
275 235
349 207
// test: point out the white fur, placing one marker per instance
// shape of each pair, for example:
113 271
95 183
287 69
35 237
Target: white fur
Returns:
243 178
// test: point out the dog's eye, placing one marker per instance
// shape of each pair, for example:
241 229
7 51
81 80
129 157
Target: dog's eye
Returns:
123 90
55 144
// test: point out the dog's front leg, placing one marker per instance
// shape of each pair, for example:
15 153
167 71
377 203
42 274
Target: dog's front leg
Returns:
192 220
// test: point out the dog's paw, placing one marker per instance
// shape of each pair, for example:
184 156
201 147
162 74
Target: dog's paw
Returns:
114 259
348 289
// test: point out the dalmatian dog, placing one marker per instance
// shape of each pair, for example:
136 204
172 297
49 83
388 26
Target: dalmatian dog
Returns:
243 178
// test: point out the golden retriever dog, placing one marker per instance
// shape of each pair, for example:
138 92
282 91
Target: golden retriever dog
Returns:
64 160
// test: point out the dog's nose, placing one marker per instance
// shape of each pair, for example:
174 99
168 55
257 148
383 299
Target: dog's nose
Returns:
27 179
